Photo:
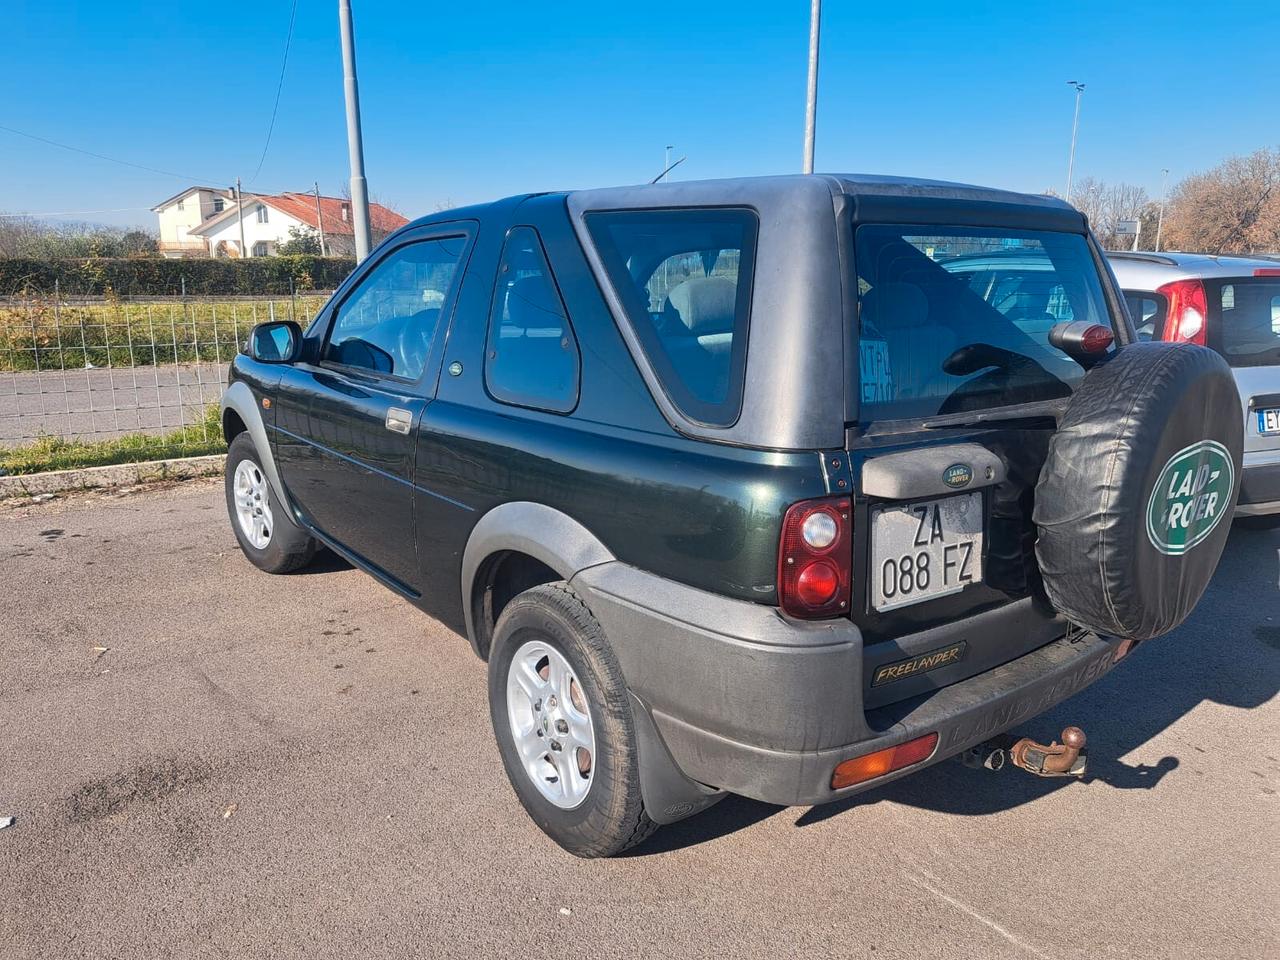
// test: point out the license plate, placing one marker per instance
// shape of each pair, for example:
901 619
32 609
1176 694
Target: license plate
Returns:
925 549
1269 421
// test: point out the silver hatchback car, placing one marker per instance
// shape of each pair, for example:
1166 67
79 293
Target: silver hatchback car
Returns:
1231 304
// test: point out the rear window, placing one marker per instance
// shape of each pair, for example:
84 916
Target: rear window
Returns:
684 279
1247 331
957 318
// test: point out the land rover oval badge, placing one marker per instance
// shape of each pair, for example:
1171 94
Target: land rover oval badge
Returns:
1190 497
957 475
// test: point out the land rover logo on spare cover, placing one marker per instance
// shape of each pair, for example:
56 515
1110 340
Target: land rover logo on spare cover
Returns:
957 475
1190 497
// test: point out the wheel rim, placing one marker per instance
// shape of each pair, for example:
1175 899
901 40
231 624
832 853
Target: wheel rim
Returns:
550 721
253 504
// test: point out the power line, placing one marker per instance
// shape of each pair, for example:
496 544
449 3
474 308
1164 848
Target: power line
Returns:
284 63
103 156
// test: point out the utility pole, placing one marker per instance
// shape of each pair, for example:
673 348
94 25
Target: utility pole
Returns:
811 98
319 216
355 142
1075 127
1164 182
244 253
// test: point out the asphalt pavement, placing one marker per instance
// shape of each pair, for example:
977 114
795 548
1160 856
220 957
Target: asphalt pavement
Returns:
206 761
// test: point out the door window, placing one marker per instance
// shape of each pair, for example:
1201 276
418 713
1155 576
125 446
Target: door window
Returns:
388 324
532 355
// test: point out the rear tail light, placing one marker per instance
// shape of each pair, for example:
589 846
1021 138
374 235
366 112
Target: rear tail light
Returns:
814 558
1188 308
872 765
1267 272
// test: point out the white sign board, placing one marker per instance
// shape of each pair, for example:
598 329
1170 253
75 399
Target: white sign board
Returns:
1126 228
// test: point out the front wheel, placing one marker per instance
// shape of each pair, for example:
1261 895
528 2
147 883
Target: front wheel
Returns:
267 536
564 725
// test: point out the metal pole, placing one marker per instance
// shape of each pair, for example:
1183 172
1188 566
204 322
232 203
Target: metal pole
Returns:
355 143
1075 127
240 217
319 216
1164 182
811 97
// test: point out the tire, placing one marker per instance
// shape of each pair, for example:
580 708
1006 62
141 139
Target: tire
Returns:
1141 474
285 546
609 816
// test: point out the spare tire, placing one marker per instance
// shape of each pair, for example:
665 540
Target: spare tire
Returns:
1134 502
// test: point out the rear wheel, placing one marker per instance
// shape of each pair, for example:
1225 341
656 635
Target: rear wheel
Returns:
266 533
564 725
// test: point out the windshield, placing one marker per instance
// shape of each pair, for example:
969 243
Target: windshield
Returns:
957 318
1248 327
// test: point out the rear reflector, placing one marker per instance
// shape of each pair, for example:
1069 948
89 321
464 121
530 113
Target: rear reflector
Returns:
861 769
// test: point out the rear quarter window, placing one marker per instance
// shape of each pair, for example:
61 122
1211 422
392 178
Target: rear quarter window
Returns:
684 277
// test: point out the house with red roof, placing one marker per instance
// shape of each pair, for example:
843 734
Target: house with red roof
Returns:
257 224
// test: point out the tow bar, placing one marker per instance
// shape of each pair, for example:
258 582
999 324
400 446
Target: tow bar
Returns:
1066 759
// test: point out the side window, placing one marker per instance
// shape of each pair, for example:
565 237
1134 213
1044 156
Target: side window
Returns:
1147 311
389 322
684 277
531 358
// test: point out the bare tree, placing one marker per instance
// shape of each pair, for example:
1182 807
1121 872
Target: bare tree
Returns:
1106 204
1233 208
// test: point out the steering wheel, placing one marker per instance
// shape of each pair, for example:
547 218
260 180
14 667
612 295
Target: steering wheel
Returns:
413 341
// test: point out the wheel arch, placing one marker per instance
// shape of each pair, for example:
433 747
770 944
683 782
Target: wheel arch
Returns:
519 545
240 415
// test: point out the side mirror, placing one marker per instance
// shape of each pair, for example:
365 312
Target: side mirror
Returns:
276 342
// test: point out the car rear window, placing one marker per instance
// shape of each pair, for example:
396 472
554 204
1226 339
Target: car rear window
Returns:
1247 327
684 279
957 318
1148 312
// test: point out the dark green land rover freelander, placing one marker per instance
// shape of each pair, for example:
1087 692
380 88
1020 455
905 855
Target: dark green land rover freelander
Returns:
784 487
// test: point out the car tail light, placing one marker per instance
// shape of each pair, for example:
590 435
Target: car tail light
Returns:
872 765
814 558
1267 272
1188 308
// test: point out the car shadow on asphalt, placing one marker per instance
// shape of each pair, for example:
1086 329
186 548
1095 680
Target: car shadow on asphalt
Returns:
326 561
1228 652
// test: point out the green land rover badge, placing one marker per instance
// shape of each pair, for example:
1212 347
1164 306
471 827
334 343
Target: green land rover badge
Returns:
1191 495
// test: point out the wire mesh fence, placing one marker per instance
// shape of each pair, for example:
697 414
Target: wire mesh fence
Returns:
142 373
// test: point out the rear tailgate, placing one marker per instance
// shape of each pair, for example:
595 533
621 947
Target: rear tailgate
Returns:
960 391
1244 326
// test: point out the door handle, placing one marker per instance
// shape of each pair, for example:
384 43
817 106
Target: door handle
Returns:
398 420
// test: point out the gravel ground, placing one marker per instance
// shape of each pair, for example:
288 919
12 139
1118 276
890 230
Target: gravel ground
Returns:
205 761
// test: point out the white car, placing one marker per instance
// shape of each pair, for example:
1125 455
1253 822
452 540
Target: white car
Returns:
1231 304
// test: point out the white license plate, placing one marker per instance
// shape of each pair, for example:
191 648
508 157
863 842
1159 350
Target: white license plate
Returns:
925 549
1269 421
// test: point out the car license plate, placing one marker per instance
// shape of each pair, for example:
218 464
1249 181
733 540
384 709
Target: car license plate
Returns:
1269 421
925 549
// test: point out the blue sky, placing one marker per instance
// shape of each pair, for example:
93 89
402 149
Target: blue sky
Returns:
471 101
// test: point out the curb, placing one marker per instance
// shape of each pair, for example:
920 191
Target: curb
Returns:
116 475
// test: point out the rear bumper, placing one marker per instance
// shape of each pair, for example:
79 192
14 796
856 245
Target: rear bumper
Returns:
749 702
1259 486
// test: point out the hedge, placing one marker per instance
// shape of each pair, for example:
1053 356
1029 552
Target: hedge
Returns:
157 276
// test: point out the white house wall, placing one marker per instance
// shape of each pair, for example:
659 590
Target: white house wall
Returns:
274 232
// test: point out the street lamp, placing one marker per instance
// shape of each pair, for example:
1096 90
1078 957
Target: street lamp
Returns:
811 98
1164 181
1075 126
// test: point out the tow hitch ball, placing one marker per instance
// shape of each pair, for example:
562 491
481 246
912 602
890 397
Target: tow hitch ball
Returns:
1066 759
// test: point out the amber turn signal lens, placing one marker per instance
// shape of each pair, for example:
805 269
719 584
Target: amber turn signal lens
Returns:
861 769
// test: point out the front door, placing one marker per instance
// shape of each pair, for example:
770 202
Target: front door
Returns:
347 462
